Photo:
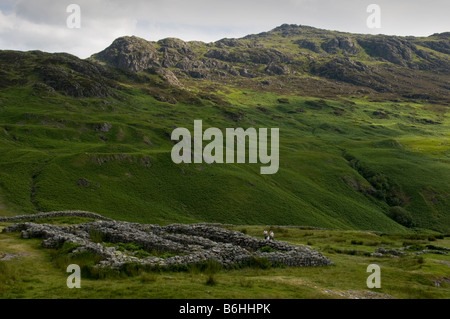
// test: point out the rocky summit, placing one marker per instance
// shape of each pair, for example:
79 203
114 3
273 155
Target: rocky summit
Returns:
289 58
297 57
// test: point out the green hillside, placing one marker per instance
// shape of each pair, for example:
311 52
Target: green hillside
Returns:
76 135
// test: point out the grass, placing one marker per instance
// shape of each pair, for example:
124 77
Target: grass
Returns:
57 156
131 177
40 273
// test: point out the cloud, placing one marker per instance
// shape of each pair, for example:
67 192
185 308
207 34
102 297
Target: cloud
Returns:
41 24
31 28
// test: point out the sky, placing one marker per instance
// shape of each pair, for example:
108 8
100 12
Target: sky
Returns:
42 24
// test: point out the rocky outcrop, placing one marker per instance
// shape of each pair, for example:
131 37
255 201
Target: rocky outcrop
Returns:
104 127
74 77
131 53
350 71
227 55
338 44
277 69
169 77
55 73
308 44
385 252
393 49
7 257
440 46
229 43
192 244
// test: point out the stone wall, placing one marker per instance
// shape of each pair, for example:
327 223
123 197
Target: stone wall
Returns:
74 213
191 244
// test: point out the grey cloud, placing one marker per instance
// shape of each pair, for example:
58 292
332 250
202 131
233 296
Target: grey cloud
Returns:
42 11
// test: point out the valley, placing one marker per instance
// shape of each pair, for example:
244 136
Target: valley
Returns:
363 130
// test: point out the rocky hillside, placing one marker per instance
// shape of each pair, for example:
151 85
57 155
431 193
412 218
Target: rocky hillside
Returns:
299 58
59 72
363 122
289 59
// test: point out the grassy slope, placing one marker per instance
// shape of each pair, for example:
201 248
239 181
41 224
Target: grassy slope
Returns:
49 142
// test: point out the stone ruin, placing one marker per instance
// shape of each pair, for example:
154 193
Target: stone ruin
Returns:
188 244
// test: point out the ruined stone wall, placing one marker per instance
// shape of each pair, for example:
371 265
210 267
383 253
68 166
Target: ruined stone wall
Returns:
74 213
191 243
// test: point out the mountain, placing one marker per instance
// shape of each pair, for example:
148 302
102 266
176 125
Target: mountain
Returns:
363 119
298 58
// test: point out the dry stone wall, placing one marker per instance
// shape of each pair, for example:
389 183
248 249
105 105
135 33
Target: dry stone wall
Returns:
190 244
73 213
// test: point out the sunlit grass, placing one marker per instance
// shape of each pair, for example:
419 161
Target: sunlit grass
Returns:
50 143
